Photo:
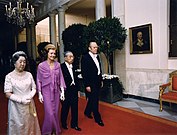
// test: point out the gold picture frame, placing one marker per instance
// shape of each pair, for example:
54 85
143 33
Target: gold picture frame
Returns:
141 39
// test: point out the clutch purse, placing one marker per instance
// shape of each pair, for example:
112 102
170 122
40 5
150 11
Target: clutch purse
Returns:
32 110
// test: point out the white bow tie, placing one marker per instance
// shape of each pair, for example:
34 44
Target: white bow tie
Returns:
95 55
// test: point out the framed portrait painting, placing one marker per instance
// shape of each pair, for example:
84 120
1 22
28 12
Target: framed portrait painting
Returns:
141 39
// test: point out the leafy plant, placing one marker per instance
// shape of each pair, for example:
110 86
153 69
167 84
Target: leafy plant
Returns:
108 33
73 40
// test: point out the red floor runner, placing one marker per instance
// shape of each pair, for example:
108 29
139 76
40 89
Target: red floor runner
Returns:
118 120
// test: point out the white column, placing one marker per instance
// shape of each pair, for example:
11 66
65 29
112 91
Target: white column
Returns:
100 9
52 27
118 10
61 28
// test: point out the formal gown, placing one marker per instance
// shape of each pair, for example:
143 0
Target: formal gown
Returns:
49 82
20 120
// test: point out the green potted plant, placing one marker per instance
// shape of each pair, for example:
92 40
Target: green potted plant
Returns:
109 35
73 41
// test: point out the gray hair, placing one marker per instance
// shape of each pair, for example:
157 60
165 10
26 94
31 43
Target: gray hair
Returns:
66 53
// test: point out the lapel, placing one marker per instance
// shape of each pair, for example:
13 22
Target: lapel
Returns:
67 73
99 62
93 63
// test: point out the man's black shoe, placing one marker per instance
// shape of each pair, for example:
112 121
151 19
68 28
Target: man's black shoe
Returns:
77 128
89 116
65 127
100 123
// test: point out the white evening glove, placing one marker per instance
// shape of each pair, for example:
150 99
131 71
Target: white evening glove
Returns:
62 96
23 100
32 93
15 98
41 97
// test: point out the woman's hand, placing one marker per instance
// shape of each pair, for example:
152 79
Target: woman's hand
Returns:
41 97
25 100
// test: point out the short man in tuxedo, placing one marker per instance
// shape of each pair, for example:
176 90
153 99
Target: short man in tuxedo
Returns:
71 93
92 79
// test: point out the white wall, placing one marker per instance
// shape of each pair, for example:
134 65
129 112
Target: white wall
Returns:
73 18
140 12
145 72
42 31
172 63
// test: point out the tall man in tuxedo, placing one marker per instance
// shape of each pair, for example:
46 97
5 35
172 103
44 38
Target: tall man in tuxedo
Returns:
71 93
92 79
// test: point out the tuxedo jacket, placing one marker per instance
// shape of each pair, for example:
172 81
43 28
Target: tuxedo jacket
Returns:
68 80
90 71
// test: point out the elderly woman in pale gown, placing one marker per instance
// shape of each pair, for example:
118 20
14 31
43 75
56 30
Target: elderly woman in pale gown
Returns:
20 88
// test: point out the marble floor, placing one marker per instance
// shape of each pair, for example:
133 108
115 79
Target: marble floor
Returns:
149 108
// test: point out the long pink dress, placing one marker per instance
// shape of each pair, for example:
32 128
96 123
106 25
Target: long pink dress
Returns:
49 82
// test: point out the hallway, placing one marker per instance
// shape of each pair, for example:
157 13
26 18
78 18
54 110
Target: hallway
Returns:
119 119
148 107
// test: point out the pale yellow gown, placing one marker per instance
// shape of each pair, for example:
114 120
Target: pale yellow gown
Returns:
20 119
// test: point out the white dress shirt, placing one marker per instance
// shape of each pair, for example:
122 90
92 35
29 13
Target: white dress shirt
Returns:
94 57
70 66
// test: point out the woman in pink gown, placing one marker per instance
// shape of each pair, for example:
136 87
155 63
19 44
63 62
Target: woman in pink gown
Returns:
50 86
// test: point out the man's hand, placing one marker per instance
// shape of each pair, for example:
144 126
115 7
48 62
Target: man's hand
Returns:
62 95
79 94
101 84
88 89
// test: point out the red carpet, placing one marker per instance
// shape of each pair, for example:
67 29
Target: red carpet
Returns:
117 120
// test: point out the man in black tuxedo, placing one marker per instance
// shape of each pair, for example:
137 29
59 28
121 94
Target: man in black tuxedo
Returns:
92 79
71 93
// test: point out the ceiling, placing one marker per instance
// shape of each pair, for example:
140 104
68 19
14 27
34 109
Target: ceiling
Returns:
87 4
81 5
35 3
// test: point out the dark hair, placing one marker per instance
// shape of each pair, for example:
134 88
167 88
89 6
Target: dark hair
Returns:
16 56
40 48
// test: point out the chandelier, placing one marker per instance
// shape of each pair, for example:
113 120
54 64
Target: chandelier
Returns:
20 15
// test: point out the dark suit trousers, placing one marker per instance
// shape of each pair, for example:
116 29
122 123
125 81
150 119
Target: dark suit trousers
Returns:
92 104
71 101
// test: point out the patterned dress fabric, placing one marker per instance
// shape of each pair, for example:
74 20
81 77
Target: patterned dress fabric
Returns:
20 120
